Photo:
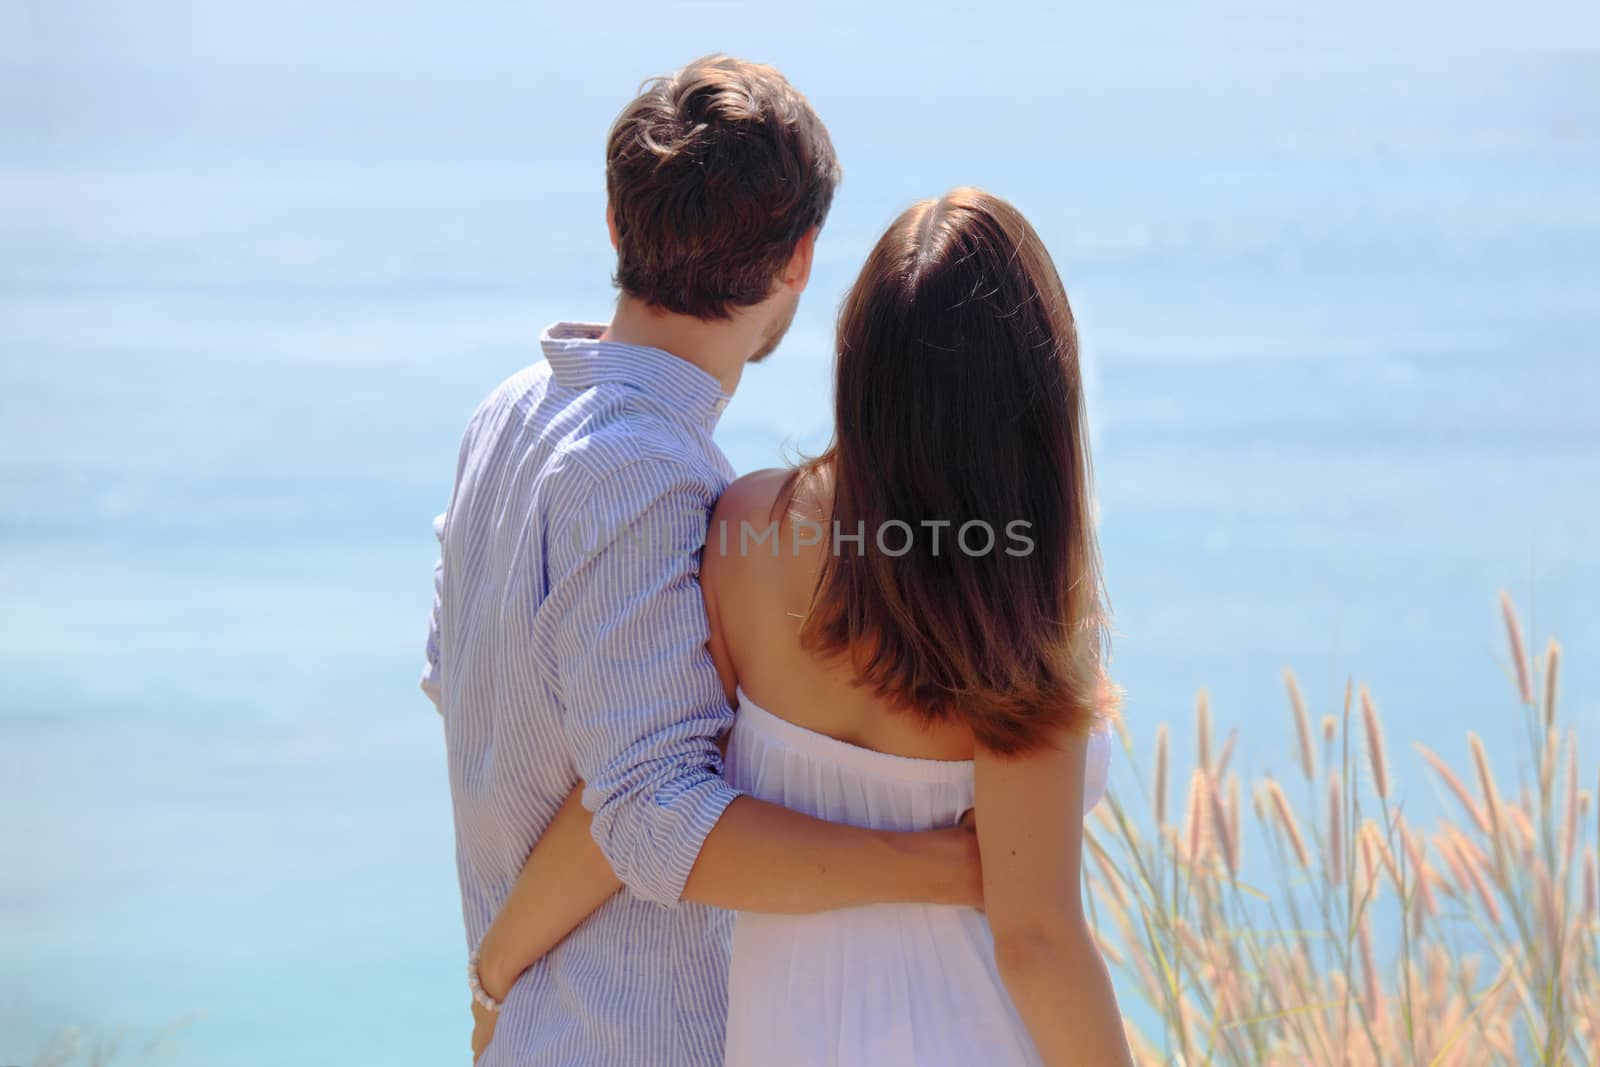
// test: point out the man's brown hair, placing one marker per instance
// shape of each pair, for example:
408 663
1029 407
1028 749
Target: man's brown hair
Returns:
713 174
959 399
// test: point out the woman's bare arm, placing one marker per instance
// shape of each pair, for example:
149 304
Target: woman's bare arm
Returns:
565 879
1030 835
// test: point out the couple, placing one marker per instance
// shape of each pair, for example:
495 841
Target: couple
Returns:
764 711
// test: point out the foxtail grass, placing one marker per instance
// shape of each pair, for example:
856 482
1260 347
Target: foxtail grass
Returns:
1357 938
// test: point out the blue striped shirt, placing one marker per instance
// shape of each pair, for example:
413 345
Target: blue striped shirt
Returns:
568 641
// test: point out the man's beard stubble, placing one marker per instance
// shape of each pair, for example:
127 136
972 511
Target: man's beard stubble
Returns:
780 326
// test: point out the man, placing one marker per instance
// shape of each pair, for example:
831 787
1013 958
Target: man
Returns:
568 638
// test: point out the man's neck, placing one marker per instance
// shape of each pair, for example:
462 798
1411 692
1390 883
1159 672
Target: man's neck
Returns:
719 348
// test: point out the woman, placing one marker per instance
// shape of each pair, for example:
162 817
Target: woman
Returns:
912 625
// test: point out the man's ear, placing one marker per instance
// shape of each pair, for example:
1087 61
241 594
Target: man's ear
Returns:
611 224
797 272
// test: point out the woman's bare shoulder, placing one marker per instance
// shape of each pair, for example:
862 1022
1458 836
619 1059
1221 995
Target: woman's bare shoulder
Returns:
754 495
747 512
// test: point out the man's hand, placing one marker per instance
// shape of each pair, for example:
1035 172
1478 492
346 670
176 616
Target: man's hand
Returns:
483 1021
952 871
966 867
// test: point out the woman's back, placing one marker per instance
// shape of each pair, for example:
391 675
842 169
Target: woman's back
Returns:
759 590
893 984
890 985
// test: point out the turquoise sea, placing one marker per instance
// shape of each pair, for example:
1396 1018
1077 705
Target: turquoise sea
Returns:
1345 386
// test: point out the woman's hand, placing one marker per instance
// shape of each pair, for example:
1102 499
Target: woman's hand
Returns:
496 977
483 1021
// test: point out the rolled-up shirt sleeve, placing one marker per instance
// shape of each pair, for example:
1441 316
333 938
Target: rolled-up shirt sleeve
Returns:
643 702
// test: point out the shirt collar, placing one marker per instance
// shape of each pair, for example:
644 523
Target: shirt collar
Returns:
580 360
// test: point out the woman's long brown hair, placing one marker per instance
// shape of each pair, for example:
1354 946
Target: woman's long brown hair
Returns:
959 400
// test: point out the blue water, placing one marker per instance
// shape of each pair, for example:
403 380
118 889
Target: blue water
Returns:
1342 396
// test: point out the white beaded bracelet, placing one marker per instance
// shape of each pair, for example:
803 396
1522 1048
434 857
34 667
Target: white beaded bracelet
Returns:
479 997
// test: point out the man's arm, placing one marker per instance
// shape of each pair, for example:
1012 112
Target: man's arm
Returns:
645 707
490 407
763 857
430 669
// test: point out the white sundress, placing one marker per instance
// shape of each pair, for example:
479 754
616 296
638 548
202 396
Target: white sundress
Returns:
888 985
